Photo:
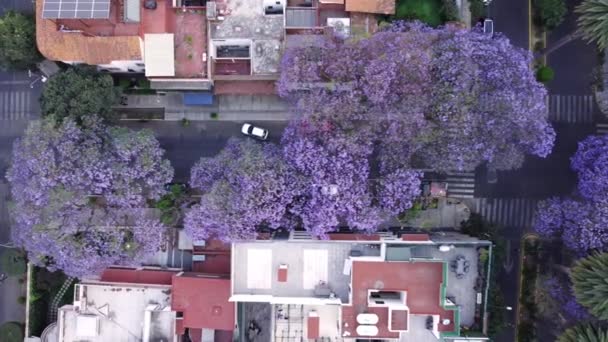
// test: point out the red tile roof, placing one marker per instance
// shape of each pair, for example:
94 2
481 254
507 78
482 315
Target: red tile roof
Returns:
203 301
415 237
244 87
421 280
371 6
134 276
353 237
76 47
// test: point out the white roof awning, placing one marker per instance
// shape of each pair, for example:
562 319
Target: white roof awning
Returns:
159 55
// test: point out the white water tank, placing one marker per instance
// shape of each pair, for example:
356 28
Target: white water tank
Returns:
367 330
367 318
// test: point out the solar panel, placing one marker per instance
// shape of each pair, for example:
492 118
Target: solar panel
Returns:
76 9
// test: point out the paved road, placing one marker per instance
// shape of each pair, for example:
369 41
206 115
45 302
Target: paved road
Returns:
186 145
511 18
18 104
574 62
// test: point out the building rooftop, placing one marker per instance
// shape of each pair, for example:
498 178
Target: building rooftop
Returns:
410 287
371 6
137 276
313 269
419 281
77 47
245 24
203 300
110 312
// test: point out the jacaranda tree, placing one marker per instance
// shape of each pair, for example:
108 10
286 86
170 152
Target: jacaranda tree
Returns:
79 195
245 187
341 188
581 220
591 165
448 97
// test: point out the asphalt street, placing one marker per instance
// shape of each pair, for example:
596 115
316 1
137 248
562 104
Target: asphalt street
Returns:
186 145
18 104
572 114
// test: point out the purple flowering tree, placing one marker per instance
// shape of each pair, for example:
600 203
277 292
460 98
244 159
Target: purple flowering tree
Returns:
342 190
245 187
563 293
580 224
591 164
79 194
450 98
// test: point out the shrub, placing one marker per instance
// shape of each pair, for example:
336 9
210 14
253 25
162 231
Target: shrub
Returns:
143 83
185 122
21 300
544 74
427 11
214 115
11 332
124 83
13 262
450 10
477 9
550 13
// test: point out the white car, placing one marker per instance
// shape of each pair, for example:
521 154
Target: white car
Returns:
256 132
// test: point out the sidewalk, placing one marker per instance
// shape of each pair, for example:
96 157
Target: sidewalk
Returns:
225 107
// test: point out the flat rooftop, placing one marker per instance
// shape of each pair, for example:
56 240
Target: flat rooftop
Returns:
245 21
117 312
312 269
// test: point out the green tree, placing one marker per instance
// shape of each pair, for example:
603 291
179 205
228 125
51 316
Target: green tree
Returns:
78 93
590 287
11 332
584 333
593 21
18 41
550 13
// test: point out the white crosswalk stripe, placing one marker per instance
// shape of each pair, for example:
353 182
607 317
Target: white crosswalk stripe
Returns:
571 108
601 128
461 184
514 212
15 105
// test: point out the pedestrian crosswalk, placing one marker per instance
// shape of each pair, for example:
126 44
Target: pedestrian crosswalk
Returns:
571 108
601 128
461 184
15 105
507 212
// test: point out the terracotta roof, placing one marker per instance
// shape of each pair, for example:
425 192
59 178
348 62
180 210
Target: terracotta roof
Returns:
371 6
415 237
76 47
203 301
134 276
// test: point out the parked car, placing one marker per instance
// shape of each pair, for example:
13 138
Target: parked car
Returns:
255 132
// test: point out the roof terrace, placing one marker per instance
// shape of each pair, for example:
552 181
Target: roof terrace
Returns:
296 269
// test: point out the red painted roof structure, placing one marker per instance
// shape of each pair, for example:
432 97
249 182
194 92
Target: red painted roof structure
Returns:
137 276
421 280
415 237
203 299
